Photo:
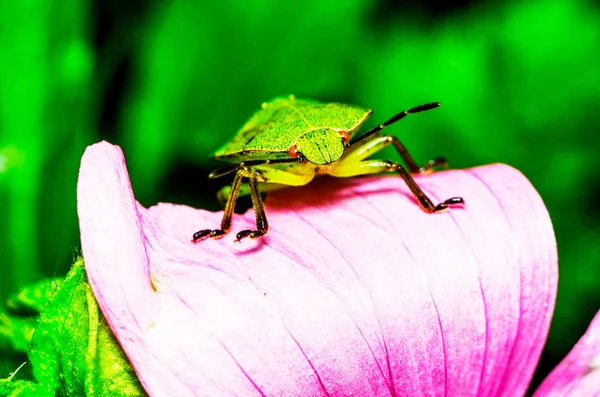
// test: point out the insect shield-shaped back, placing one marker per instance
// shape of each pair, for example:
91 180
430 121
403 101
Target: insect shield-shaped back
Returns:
321 146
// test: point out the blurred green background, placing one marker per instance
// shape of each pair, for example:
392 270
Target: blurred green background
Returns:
171 81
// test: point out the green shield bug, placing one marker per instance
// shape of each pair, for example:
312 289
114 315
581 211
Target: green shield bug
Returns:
289 141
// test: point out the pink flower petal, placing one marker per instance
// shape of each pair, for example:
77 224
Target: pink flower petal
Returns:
355 291
579 373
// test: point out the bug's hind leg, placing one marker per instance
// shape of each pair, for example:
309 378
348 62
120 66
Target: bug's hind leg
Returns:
379 166
228 213
262 225
413 167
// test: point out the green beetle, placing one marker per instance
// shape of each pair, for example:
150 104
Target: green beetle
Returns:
289 141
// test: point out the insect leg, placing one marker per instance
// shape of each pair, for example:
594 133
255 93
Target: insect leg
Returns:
259 209
223 194
277 178
228 213
365 148
379 166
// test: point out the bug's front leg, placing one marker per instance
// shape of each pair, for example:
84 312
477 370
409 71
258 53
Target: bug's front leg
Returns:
262 225
228 213
223 194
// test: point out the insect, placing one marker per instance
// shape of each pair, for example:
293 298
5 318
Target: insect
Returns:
289 141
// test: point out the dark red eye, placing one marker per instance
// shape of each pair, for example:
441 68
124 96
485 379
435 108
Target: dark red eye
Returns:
293 151
345 136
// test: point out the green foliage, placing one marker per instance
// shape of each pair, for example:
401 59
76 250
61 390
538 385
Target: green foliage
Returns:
15 333
17 324
45 122
22 388
73 352
34 297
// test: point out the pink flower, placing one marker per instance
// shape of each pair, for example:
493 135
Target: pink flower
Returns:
355 291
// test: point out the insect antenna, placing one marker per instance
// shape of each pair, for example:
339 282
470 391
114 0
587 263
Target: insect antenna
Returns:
223 171
248 164
398 117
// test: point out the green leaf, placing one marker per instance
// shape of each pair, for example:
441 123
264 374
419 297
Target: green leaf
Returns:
73 351
17 324
33 298
23 388
15 333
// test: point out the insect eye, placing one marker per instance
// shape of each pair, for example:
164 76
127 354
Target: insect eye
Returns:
293 151
345 136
